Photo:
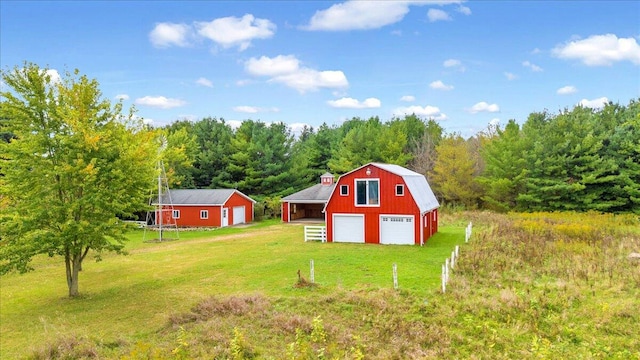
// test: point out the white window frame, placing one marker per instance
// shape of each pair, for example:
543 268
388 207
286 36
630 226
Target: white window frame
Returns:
401 188
355 192
204 214
346 188
175 214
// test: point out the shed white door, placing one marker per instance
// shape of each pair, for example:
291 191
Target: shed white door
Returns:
397 229
225 217
238 215
348 228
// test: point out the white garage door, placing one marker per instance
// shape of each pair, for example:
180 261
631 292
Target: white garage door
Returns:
397 229
238 215
348 228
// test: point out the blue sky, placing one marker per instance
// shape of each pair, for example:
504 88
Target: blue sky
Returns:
463 63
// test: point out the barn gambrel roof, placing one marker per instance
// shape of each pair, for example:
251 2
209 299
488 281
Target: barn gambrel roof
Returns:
416 183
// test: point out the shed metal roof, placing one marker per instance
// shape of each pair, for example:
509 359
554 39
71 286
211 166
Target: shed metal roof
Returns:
199 196
317 193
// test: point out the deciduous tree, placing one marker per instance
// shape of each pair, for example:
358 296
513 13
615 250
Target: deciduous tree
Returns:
75 165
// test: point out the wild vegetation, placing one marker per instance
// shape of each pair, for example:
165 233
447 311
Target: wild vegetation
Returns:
540 285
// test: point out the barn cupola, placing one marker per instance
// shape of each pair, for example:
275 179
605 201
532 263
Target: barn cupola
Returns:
326 179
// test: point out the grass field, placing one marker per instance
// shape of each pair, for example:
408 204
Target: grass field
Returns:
527 286
127 300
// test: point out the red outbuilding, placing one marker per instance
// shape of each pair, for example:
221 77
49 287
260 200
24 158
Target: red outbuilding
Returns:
308 204
206 207
381 204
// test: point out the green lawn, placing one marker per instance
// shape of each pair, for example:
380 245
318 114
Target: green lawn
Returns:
130 297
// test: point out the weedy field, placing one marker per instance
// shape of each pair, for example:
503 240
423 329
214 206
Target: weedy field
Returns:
526 286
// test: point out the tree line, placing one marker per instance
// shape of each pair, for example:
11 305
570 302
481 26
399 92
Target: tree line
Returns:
578 159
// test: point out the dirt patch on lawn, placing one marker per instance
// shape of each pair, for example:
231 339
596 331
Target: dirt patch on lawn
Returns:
173 244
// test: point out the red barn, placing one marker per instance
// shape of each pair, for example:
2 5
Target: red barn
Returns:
206 207
381 204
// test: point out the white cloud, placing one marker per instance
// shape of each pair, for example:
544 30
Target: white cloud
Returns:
204 82
595 103
232 31
531 66
494 122
454 63
438 15
167 34
439 85
600 50
279 65
358 15
296 128
566 90
364 15
254 109
451 63
287 70
246 109
408 98
227 32
122 97
243 82
234 124
53 75
160 102
432 112
308 79
351 103
510 76
536 51
464 10
484 107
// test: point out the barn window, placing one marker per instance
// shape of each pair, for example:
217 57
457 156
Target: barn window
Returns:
204 214
367 192
175 214
399 190
344 190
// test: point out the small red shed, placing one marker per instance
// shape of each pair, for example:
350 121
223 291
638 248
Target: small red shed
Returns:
206 207
381 204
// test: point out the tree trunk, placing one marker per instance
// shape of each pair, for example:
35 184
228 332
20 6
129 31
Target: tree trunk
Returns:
73 263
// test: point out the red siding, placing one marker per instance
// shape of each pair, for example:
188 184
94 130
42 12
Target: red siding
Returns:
430 224
238 200
285 212
190 216
390 204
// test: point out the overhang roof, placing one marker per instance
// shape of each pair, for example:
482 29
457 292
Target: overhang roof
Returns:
317 193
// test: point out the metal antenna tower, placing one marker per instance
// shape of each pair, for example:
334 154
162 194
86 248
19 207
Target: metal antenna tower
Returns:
162 220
